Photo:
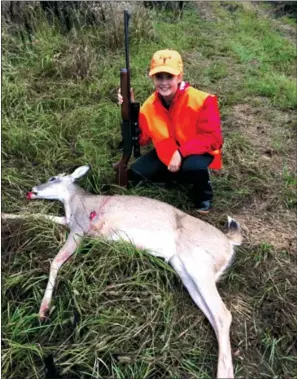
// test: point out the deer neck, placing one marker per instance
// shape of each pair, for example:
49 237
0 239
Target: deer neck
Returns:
72 200
68 211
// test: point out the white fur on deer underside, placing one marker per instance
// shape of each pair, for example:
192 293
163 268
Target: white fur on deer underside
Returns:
159 244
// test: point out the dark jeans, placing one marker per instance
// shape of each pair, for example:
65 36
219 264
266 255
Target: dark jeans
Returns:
194 170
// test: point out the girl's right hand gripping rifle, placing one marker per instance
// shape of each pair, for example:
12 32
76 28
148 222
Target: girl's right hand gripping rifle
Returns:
129 124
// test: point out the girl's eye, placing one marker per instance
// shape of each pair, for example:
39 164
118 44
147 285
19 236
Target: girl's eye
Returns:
164 76
52 179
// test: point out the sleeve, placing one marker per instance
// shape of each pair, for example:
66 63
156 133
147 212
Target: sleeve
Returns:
165 150
144 137
208 130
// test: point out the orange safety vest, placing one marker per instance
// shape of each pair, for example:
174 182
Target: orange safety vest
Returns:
188 125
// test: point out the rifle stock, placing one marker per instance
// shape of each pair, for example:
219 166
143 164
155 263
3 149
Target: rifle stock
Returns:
129 114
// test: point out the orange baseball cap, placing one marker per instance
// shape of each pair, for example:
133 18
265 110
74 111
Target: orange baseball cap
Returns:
166 61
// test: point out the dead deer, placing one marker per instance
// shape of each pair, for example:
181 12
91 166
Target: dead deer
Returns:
198 251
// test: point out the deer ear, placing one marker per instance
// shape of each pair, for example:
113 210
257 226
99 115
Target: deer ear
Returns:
79 172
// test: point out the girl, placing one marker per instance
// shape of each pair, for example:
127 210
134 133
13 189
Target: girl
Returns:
183 124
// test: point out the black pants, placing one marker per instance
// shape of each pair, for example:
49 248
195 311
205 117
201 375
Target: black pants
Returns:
194 170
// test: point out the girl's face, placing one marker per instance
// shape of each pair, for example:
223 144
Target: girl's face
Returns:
166 84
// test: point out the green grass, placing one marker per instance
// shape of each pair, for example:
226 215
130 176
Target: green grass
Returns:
117 312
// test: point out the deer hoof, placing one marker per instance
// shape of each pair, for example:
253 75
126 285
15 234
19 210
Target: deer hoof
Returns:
44 312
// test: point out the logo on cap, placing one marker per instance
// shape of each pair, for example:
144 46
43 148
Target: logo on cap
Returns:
164 58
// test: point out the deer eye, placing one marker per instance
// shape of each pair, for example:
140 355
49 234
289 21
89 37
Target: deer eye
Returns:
52 179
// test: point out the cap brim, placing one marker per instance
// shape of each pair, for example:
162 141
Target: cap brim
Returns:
167 69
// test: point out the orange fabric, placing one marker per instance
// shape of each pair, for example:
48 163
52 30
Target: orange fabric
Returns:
217 162
166 61
191 125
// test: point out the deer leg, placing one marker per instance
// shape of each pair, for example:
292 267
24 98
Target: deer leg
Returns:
188 282
65 253
202 288
55 219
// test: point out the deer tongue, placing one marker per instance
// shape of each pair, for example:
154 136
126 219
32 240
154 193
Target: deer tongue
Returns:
29 195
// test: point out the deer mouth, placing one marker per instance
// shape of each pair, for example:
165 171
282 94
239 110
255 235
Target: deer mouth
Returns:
31 195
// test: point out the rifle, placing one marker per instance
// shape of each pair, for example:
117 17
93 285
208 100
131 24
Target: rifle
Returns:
129 113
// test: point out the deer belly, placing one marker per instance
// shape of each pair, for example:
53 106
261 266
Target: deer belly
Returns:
156 236
160 244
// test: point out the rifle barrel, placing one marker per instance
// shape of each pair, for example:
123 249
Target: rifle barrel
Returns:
125 107
126 24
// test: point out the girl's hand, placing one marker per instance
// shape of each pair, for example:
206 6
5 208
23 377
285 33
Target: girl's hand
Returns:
120 97
175 163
